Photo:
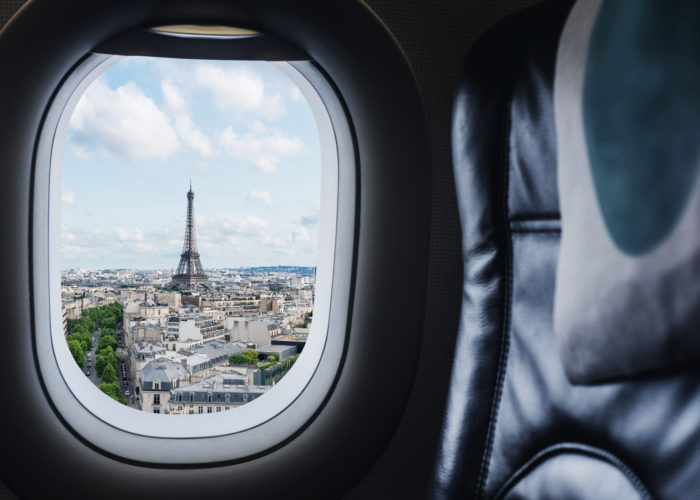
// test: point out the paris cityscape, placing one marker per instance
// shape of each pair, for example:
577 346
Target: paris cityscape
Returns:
187 341
143 318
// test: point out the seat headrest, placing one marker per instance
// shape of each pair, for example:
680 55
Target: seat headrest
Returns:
627 110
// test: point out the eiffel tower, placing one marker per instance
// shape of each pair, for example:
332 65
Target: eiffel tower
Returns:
189 274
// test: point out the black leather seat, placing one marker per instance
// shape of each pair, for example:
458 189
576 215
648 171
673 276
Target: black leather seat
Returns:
515 426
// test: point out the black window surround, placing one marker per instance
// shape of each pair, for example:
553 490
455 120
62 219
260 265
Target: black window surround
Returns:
381 242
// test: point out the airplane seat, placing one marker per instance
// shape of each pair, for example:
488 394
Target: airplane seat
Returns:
516 426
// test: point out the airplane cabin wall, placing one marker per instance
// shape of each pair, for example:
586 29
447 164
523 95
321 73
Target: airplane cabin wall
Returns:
435 36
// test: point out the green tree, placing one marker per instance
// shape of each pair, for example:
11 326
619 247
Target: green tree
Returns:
253 355
288 363
79 328
100 362
113 391
109 374
105 357
88 339
238 359
248 357
84 338
116 310
87 323
107 331
73 337
95 314
109 322
70 324
107 341
77 352
84 343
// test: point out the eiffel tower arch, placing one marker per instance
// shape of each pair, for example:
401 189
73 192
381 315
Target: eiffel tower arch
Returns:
190 274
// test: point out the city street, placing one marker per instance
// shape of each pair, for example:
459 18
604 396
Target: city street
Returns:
129 384
91 357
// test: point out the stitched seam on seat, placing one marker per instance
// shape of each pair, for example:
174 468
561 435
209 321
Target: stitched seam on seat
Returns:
569 447
535 217
535 225
521 231
505 328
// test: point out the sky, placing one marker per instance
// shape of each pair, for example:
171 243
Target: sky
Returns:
241 132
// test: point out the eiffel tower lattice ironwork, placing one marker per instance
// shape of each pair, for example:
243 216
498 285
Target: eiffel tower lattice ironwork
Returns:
189 274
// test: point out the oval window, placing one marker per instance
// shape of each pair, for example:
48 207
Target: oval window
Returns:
189 221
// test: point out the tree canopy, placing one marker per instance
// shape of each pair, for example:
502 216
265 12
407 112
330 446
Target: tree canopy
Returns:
79 339
109 322
113 391
84 339
248 357
105 357
77 352
109 374
107 341
83 324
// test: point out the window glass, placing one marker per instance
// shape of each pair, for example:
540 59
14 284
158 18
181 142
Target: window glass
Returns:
190 195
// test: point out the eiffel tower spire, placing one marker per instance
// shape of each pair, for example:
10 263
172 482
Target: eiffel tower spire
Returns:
189 274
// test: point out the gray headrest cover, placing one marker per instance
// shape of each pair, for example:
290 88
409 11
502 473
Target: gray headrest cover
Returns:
627 106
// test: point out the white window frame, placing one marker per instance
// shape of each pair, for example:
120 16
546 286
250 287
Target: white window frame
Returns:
74 395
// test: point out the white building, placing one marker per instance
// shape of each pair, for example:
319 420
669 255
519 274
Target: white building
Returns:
156 380
213 395
259 331
188 332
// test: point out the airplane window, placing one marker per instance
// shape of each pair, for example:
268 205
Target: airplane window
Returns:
373 215
191 245
227 150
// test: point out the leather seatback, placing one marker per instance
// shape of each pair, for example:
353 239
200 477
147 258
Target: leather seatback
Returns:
515 427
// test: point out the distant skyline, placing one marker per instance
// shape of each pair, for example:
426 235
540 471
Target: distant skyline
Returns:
240 131
282 267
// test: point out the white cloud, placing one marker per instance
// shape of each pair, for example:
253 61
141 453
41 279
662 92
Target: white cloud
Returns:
190 134
309 219
117 244
264 149
67 197
241 230
220 236
80 152
247 224
123 122
300 235
128 235
272 107
238 88
173 99
262 196
295 93
275 241
222 239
